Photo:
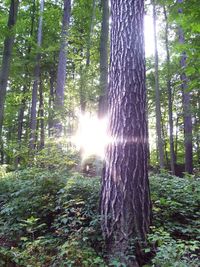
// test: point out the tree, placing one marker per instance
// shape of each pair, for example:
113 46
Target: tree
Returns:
104 58
187 118
157 93
61 73
169 90
125 198
7 53
33 122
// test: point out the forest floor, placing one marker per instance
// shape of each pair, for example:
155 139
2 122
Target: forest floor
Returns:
50 218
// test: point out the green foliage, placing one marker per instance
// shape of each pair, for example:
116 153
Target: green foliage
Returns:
50 218
57 156
176 204
171 252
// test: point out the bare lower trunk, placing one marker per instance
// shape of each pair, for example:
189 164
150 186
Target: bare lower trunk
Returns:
125 199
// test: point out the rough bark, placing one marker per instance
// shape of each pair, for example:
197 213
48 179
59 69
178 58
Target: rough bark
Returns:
157 93
169 90
61 72
104 59
33 122
125 199
187 118
7 53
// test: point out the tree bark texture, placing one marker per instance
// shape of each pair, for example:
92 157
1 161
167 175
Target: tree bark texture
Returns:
187 118
61 72
125 198
157 93
104 59
7 51
33 122
170 104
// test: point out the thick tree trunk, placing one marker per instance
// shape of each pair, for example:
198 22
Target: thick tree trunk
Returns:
186 106
170 104
125 199
33 123
157 93
104 59
61 73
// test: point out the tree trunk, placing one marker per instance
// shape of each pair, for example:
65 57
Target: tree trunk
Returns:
61 73
41 116
157 93
186 105
7 52
104 59
125 198
20 123
51 101
5 68
33 123
89 41
170 104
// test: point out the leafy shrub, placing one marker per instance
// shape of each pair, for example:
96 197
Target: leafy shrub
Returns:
171 252
57 156
28 194
176 203
50 218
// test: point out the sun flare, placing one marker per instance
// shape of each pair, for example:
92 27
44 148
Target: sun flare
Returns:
91 137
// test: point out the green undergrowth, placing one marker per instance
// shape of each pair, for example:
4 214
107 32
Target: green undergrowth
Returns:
50 218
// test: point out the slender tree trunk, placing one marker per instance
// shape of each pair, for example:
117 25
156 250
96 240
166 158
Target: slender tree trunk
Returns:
125 199
176 142
89 42
24 91
51 101
20 124
170 104
157 92
5 67
7 53
33 121
84 70
61 73
41 115
104 59
164 134
83 101
186 105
